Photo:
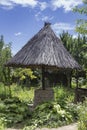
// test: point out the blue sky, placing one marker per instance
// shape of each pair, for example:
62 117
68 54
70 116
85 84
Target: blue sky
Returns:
22 19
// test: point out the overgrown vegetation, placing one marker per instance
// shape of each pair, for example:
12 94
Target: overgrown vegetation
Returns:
15 110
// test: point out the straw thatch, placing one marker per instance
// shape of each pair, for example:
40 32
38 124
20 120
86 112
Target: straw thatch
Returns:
44 49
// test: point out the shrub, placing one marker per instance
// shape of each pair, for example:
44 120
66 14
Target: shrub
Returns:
83 116
73 110
2 124
63 95
50 114
25 95
14 111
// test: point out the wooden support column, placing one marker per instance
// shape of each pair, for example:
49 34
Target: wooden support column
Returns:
77 79
76 90
43 78
69 78
9 82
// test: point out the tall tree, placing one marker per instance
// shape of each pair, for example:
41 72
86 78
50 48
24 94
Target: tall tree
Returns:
5 55
76 46
81 26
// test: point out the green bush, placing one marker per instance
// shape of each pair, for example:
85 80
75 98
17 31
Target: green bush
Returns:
14 111
50 114
63 95
2 124
25 95
82 125
73 110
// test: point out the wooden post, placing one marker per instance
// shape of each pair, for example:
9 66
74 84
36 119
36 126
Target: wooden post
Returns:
76 79
76 90
43 79
9 81
69 78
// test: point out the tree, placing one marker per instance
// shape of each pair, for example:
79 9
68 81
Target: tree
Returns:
81 26
76 46
1 47
5 55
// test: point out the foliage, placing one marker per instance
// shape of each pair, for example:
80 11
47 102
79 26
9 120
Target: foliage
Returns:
23 76
5 55
2 124
83 116
63 95
22 73
51 115
82 23
13 111
77 47
54 114
4 91
25 95
62 111
32 127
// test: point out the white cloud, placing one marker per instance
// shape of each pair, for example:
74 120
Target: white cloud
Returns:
18 34
58 27
40 17
43 5
6 4
66 4
24 3
46 18
53 4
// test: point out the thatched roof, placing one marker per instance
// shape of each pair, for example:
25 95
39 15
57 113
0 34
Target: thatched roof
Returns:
44 49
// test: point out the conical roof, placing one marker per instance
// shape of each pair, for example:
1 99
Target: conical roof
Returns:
44 49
